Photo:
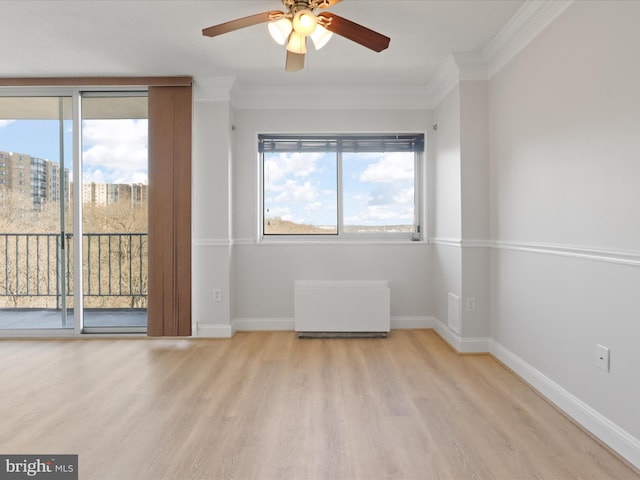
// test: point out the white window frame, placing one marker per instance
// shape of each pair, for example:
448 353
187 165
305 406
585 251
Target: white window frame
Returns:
417 235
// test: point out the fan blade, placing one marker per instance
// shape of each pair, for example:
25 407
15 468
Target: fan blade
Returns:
295 62
357 33
241 23
328 3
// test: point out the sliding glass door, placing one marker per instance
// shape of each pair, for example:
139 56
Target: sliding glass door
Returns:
114 203
73 212
36 213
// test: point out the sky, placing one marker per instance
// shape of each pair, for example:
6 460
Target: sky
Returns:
114 151
302 188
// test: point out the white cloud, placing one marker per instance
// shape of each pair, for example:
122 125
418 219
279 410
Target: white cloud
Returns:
381 214
280 212
385 204
96 176
290 164
299 193
404 197
313 206
4 123
392 167
118 148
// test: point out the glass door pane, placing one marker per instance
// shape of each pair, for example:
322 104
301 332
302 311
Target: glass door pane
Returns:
36 213
114 220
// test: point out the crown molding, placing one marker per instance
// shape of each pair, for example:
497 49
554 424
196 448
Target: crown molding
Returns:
471 66
528 22
443 81
457 67
213 89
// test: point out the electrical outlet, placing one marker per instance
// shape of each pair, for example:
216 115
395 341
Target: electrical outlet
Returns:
217 295
471 304
602 357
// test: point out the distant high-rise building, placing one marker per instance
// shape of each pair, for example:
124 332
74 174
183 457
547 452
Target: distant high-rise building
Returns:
139 194
37 178
110 193
41 181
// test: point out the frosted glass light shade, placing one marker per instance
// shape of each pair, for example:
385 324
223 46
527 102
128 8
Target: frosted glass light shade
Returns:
280 30
297 43
304 22
321 37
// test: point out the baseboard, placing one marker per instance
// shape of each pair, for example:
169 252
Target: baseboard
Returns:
207 330
458 343
619 440
262 324
410 323
275 324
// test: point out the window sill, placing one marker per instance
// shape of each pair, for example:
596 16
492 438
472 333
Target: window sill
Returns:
338 241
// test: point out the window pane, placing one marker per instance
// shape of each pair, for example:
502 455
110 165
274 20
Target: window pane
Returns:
378 192
300 193
36 257
114 194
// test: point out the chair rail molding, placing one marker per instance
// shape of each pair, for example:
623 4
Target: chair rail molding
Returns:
621 257
211 242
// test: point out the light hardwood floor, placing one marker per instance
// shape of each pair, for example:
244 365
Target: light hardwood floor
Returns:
267 405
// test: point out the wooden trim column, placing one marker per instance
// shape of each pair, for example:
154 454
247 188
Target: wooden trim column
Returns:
169 302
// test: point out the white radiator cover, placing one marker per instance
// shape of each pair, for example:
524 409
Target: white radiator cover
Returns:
342 306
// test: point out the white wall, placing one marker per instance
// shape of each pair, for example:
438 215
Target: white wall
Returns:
474 178
565 164
445 226
210 216
540 163
460 210
446 222
265 275
257 279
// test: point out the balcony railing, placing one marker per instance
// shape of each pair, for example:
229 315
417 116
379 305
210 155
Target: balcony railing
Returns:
114 269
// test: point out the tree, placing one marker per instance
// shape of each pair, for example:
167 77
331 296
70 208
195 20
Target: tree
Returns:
115 254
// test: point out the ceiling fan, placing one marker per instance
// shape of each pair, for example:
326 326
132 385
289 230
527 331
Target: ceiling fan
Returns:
300 21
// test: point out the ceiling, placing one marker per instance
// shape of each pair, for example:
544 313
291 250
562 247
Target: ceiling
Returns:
163 37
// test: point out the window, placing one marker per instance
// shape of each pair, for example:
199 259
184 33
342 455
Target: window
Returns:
341 185
170 111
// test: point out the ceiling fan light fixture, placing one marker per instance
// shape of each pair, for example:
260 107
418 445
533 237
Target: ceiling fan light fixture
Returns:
280 30
320 37
297 43
304 22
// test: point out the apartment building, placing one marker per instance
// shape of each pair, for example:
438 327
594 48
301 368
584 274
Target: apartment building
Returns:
109 193
40 180
35 177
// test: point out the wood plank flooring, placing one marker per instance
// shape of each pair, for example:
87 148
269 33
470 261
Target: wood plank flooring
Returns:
267 405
